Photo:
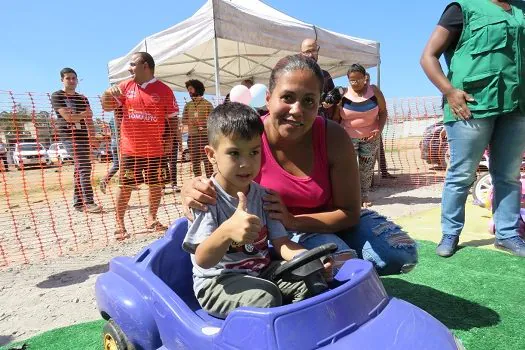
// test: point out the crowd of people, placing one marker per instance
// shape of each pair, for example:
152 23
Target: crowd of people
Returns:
297 173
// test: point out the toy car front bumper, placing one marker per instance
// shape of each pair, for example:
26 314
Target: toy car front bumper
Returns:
399 326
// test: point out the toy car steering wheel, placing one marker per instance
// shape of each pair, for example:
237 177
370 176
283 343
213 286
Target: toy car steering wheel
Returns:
307 267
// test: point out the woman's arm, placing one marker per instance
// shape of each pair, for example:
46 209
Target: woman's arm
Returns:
381 103
346 191
439 41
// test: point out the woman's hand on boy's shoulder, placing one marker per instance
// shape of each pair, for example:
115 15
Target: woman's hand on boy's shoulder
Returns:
197 193
274 206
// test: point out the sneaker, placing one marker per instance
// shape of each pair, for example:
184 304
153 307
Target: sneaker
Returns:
93 208
102 186
514 245
447 246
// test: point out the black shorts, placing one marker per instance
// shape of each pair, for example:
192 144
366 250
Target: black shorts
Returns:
137 170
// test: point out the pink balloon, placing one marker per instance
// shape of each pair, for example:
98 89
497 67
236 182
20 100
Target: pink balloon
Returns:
241 94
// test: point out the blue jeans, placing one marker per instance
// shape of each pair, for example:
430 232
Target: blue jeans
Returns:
505 135
83 193
375 239
381 242
312 240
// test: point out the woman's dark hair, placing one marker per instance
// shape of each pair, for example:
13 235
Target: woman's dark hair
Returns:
146 57
65 71
292 63
234 120
356 67
197 85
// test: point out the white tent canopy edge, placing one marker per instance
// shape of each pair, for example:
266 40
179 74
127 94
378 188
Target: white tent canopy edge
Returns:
227 41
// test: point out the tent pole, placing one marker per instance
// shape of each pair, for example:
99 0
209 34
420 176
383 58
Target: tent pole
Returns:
379 66
216 63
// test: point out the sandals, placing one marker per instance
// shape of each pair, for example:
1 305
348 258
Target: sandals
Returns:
121 234
156 226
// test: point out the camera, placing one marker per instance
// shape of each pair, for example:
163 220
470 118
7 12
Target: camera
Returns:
333 96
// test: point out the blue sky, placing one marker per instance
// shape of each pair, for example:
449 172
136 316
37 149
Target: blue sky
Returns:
41 37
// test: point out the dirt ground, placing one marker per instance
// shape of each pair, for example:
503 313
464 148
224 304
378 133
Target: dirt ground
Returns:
36 217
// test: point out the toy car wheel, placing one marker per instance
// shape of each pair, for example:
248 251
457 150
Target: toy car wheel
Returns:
482 190
307 268
114 338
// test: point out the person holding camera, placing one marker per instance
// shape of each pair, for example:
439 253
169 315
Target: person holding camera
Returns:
310 48
362 113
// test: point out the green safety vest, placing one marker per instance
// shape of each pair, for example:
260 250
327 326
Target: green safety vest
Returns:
487 62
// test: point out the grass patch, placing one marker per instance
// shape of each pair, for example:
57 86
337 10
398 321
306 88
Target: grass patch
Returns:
477 293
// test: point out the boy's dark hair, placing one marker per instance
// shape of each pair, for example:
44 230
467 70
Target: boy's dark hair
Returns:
234 120
146 57
197 85
356 67
292 63
67 70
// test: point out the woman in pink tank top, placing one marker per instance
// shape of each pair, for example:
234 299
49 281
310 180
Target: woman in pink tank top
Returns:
310 168
362 113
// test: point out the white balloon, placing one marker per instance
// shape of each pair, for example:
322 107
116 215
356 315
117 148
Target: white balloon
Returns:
241 94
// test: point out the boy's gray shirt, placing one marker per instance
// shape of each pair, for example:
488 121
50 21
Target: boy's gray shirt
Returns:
248 258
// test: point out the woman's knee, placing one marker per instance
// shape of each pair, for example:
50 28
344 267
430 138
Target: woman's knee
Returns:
384 243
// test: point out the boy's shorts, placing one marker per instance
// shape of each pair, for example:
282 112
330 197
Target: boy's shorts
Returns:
138 170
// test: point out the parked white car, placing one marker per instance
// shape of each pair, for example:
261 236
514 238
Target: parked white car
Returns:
58 154
29 154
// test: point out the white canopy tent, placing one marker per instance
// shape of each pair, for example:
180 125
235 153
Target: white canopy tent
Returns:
227 41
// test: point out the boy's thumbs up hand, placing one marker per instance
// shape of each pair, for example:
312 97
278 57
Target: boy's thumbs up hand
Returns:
243 202
244 227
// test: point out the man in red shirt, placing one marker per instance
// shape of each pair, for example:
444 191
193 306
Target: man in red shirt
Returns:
147 129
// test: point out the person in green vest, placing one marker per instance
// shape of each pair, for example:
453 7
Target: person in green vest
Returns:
483 42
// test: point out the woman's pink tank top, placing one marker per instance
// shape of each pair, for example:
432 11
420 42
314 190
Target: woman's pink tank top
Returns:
302 195
359 115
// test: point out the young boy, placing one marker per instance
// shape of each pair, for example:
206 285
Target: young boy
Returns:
229 242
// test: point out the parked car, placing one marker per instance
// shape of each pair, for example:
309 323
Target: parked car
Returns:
28 154
3 157
149 303
58 154
434 145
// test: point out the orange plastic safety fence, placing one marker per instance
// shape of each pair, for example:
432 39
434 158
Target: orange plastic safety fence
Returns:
40 220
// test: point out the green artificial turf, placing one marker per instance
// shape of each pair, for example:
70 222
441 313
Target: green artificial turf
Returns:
477 293
84 336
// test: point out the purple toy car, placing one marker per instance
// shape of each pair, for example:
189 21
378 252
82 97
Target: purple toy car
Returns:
149 303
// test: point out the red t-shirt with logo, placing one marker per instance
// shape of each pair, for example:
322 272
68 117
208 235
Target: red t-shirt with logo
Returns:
146 107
